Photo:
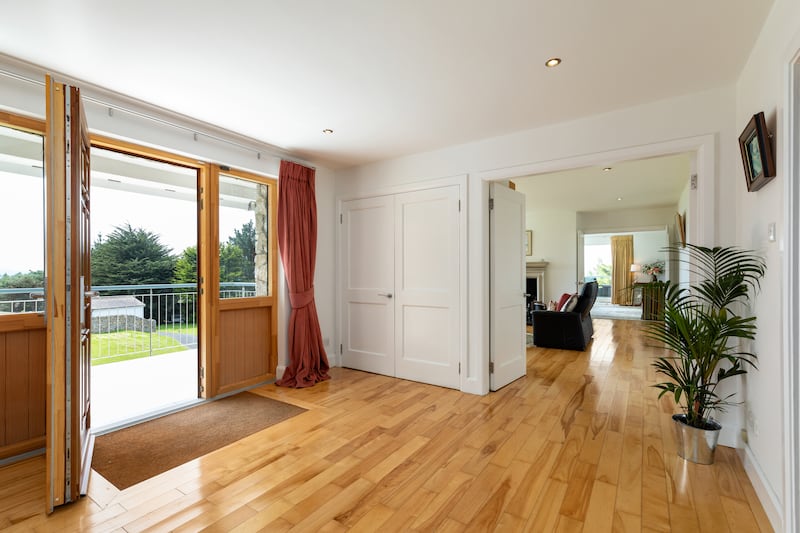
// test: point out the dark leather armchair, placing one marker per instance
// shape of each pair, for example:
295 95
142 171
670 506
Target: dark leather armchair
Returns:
567 330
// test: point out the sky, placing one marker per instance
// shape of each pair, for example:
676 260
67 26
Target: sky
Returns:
21 227
594 254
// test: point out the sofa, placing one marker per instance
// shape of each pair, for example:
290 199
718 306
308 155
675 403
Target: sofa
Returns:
567 330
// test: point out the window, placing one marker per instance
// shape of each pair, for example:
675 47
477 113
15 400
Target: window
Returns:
244 240
22 221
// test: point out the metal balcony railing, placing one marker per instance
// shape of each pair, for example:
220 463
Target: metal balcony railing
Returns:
132 321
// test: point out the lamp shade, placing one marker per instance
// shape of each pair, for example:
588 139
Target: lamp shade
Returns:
636 268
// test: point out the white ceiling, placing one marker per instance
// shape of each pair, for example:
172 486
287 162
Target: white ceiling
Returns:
653 182
390 77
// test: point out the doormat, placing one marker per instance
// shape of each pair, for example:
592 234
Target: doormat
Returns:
131 455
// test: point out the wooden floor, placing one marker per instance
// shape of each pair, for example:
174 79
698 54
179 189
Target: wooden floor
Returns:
581 443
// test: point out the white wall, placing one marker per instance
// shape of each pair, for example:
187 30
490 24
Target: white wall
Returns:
554 241
620 220
762 86
670 124
648 247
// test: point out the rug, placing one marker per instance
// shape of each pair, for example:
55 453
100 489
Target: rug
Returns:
131 455
616 312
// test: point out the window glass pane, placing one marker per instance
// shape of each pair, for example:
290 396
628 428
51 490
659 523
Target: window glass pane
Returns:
243 238
21 222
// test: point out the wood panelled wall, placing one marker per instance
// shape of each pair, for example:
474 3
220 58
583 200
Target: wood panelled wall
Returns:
22 391
245 353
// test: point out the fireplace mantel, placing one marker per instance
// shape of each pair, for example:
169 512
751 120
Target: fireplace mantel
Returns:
536 269
535 266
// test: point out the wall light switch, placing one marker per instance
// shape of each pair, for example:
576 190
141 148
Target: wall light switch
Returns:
771 232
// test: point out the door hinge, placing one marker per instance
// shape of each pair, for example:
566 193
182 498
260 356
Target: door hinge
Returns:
491 367
459 369
202 372
340 349
459 206
340 218
491 204
693 182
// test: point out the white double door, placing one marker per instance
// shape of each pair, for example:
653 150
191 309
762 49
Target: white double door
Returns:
400 281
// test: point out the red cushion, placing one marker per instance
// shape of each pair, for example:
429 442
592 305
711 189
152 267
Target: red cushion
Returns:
562 301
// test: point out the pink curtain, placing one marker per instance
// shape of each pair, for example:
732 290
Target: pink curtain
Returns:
297 240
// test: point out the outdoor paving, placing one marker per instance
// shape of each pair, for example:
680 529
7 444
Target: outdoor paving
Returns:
140 387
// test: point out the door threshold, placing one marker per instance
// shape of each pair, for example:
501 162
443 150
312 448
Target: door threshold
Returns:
150 415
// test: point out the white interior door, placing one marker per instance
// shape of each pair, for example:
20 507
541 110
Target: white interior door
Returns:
506 285
368 284
427 281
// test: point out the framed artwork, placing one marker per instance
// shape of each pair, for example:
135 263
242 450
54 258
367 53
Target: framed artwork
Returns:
529 242
680 224
756 148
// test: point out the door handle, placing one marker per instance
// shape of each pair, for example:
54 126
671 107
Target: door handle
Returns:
387 294
91 294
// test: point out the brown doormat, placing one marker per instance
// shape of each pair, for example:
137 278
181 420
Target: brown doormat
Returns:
139 452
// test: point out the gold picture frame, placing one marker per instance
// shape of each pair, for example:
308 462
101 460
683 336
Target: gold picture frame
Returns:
528 242
680 224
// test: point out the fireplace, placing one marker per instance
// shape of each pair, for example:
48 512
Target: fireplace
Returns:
534 272
534 286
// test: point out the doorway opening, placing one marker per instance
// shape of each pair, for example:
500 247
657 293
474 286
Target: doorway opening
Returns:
650 263
144 233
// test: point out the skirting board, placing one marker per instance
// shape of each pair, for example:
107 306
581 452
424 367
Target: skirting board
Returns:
769 500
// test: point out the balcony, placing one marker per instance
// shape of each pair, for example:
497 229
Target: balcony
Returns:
144 346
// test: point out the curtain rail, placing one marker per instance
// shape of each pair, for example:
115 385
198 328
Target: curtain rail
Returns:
271 151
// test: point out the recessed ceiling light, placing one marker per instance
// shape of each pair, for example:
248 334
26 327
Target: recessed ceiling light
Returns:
553 62
619 198
327 131
607 169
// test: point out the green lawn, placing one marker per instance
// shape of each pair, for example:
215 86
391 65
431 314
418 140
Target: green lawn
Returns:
185 329
124 345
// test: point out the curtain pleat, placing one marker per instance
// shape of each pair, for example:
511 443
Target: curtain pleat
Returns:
297 240
621 277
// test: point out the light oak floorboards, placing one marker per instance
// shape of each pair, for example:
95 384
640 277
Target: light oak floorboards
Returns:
580 444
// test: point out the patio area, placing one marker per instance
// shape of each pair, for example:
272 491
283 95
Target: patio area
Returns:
141 388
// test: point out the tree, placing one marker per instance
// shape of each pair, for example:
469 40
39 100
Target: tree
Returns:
231 262
186 266
20 280
245 240
131 256
602 272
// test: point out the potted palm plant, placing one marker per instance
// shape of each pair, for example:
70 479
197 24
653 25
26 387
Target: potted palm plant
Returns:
703 330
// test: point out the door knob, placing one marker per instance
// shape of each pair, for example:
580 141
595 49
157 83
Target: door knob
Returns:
387 294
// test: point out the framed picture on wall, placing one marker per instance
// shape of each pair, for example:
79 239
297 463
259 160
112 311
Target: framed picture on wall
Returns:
529 242
680 224
755 145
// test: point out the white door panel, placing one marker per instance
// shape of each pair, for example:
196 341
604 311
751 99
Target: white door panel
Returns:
507 285
427 285
368 280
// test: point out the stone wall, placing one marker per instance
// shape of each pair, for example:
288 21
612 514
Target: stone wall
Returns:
111 324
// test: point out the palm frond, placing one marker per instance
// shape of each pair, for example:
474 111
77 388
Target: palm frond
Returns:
701 330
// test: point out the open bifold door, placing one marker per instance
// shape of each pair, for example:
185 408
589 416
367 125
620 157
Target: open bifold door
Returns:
68 293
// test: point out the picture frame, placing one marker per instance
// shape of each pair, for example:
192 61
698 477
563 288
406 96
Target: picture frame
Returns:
755 144
680 223
528 242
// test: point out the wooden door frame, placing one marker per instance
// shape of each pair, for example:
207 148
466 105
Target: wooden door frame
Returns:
17 322
55 291
204 183
212 300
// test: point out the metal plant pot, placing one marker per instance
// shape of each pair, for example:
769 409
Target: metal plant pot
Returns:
695 444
